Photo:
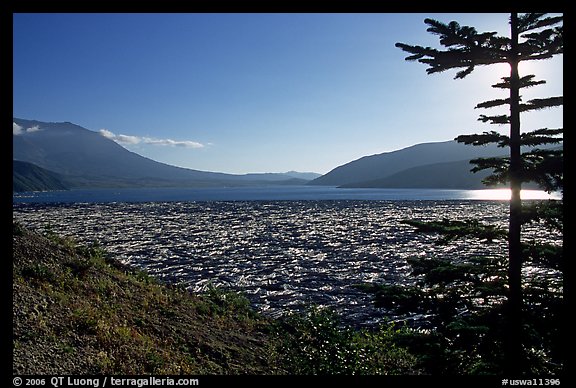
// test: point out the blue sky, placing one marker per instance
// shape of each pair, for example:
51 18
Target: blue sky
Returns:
243 93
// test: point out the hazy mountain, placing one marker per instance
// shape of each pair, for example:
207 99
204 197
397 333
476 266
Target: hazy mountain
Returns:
29 177
407 168
282 176
294 176
303 175
88 159
449 175
381 166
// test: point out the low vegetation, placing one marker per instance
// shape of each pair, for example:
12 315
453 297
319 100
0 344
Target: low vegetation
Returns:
77 311
315 343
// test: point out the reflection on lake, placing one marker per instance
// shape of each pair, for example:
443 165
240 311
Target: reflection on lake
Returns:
504 194
280 253
266 193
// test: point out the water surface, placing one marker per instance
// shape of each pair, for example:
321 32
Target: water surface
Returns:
283 253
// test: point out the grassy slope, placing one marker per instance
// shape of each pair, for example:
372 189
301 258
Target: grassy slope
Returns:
75 312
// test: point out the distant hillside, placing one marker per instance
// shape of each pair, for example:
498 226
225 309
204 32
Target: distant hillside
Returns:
29 177
88 159
444 165
376 167
303 175
450 175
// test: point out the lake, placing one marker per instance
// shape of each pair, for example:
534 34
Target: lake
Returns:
267 193
284 248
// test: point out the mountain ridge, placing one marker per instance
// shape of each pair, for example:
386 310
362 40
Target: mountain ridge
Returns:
88 159
29 177
378 166
447 175
85 159
440 165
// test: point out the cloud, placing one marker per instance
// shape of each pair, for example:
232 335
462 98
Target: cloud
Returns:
107 133
174 143
19 130
127 139
124 139
35 128
16 129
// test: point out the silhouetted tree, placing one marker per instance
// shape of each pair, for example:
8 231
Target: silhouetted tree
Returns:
542 38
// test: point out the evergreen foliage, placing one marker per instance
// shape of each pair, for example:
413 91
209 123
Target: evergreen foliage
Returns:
315 343
515 326
451 230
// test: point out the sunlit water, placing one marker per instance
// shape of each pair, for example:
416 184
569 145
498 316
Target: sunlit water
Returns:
505 194
281 254
266 193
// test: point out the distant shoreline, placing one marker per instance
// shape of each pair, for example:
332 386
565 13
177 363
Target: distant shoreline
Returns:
265 193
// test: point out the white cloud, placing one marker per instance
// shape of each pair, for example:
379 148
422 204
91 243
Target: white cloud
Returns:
106 133
127 139
123 139
16 129
19 130
174 143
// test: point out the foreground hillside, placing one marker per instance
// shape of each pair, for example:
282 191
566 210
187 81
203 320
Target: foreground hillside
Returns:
77 311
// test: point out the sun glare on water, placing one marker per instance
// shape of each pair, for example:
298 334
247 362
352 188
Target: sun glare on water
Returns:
504 194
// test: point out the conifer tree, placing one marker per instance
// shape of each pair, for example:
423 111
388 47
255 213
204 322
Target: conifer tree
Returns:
542 38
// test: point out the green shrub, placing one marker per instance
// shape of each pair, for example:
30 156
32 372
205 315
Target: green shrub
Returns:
39 272
224 302
315 343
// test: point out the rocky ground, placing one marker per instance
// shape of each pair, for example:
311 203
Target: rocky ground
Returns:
76 311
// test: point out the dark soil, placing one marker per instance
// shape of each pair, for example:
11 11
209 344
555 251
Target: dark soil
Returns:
76 311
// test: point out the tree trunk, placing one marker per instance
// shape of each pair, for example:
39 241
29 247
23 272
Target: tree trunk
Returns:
514 359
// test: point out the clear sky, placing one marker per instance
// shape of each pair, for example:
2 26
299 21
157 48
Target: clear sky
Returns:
241 93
